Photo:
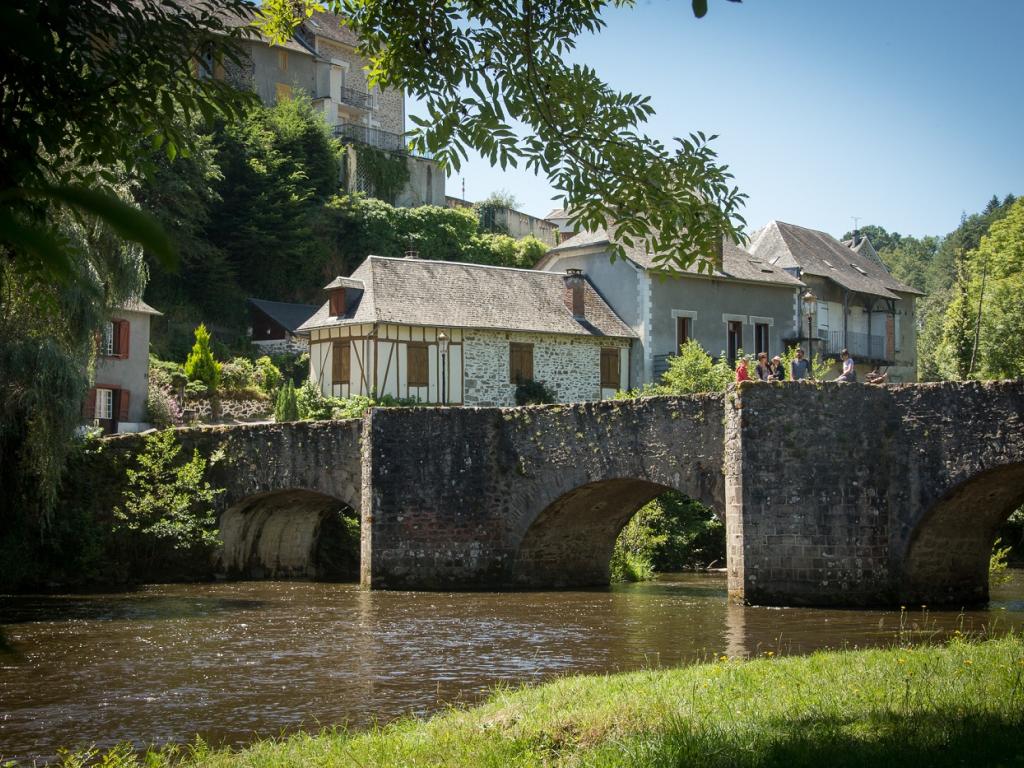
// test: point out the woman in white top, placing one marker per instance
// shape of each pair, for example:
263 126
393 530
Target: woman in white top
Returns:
848 374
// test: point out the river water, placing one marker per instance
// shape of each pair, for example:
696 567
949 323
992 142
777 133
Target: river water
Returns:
235 661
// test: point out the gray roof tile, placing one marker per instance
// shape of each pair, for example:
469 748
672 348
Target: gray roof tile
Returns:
737 264
289 316
818 253
460 295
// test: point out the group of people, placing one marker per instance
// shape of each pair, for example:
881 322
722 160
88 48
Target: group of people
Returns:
799 368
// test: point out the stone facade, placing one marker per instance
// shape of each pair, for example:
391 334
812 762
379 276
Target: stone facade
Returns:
571 366
241 410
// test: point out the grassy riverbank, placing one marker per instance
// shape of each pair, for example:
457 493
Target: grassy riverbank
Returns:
959 704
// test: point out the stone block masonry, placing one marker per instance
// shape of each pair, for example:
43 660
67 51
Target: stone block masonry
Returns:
833 494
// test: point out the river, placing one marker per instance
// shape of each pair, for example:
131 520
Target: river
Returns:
235 661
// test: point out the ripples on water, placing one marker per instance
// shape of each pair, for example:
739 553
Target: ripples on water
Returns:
234 661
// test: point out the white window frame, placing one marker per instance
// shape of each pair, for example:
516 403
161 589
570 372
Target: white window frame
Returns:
107 339
104 403
687 313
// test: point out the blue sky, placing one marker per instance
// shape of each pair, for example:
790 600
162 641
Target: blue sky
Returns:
902 112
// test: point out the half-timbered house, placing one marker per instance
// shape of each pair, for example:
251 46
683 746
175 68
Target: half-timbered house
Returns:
465 334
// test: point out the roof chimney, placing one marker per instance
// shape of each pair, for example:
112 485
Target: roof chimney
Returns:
411 253
856 238
574 293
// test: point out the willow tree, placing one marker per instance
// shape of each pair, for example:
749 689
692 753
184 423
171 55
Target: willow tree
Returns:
494 78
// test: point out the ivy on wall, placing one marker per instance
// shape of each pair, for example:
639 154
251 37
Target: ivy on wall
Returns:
385 173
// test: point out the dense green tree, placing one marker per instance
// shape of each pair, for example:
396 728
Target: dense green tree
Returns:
88 86
494 77
201 365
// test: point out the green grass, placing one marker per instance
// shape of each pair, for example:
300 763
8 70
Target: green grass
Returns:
959 704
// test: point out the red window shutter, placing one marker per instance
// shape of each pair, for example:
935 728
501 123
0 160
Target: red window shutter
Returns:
122 404
89 404
121 329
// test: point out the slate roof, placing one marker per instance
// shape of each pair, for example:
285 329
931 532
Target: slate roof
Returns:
289 316
557 213
818 253
331 26
737 264
454 294
232 19
138 305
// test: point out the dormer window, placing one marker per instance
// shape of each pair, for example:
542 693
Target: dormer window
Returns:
337 299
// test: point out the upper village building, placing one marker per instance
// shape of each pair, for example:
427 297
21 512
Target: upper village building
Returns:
468 334
746 304
860 306
322 61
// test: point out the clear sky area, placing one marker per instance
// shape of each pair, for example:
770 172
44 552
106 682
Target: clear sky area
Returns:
904 113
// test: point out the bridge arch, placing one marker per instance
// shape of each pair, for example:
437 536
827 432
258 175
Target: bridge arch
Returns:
293 533
569 542
947 557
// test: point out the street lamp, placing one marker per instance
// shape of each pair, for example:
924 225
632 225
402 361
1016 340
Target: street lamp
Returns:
810 305
442 345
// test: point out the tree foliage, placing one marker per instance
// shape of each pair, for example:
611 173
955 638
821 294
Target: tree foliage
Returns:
169 500
286 408
494 77
87 86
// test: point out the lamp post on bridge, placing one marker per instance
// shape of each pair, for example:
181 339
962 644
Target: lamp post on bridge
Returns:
810 305
442 346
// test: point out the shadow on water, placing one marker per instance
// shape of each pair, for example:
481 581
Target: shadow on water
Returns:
22 609
936 739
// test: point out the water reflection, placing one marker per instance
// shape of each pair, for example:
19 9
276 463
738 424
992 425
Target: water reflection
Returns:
230 661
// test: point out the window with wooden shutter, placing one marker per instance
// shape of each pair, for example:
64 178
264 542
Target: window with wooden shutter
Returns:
122 329
520 362
89 404
337 308
341 360
609 368
419 365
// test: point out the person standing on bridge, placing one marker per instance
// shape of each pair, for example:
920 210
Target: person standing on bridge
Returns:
799 368
742 373
762 369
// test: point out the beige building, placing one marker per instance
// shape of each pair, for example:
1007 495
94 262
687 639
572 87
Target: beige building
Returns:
860 306
465 334
117 399
322 61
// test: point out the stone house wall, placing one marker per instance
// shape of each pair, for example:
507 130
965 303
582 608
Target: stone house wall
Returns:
390 111
569 365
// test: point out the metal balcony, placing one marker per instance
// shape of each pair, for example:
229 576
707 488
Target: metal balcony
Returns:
373 137
357 99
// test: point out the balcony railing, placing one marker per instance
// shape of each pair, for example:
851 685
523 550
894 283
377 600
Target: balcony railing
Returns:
860 345
357 99
374 137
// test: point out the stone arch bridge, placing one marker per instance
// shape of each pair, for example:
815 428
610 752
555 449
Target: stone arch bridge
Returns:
832 494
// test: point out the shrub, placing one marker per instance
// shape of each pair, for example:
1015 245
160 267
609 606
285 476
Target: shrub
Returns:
286 408
195 390
237 374
311 403
354 407
162 408
200 365
165 502
266 375
629 566
532 392
693 371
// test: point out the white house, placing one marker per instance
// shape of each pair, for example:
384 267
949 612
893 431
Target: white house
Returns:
457 333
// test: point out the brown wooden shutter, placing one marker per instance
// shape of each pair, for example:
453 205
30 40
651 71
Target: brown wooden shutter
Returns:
337 308
520 362
89 404
419 365
340 362
609 368
122 404
121 338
